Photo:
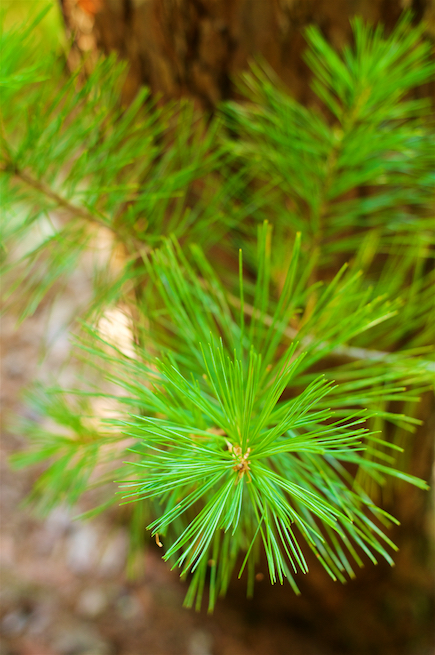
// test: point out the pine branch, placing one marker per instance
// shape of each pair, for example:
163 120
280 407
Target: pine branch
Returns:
73 210
349 352
246 422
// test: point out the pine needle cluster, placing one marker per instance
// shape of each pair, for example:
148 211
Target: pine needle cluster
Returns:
272 376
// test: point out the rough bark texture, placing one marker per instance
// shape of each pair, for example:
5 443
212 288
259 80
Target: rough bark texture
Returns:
196 47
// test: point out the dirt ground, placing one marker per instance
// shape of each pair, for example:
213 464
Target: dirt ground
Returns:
64 590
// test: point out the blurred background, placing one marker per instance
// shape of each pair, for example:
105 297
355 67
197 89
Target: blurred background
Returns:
64 590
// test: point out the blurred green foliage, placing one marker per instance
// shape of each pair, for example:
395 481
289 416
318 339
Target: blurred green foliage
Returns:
48 33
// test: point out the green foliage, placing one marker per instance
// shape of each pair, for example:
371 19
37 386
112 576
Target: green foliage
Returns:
360 185
266 392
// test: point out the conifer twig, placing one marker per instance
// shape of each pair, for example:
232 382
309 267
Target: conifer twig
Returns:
242 445
72 209
352 352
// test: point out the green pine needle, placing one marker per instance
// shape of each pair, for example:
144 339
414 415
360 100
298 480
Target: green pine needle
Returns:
269 382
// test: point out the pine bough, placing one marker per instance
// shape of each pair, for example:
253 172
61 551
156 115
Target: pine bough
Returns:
261 412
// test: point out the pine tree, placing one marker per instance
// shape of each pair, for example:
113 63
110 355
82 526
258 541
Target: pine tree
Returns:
277 273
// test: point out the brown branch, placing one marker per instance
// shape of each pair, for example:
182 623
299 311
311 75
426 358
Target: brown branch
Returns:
132 246
351 352
43 188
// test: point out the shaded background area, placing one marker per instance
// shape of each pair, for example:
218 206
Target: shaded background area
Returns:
196 48
63 585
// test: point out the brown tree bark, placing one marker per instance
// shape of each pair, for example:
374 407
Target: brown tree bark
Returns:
196 48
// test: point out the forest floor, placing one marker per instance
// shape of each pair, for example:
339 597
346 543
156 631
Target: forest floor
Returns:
64 590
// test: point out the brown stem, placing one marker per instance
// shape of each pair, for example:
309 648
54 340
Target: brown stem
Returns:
43 188
132 246
351 352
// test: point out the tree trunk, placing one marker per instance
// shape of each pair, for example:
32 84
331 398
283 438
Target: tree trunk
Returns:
196 48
